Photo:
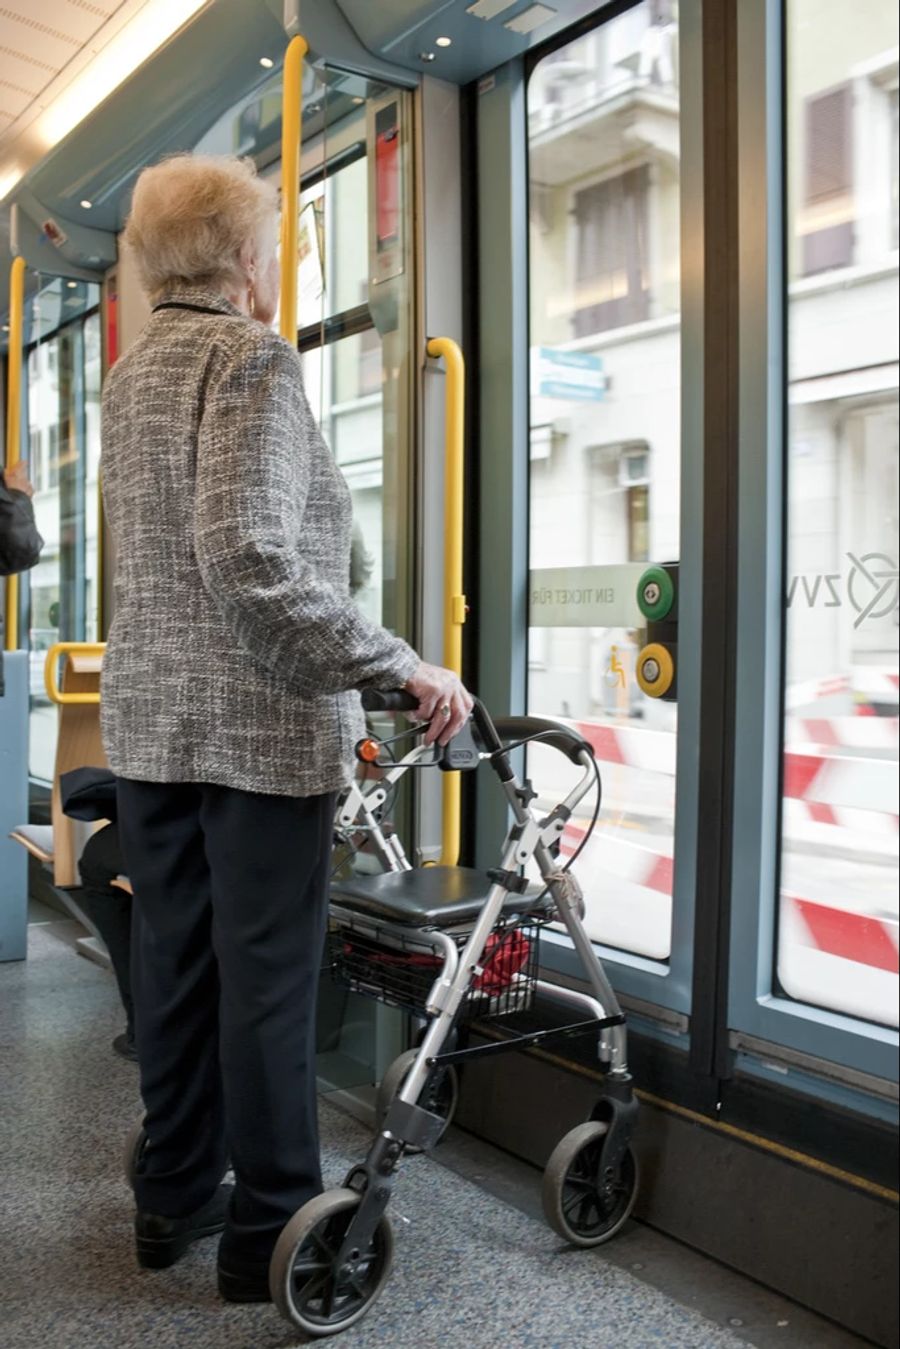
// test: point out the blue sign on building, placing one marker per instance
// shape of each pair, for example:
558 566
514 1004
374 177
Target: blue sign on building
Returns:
567 374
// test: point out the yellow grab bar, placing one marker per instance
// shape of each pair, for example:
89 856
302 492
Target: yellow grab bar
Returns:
51 673
291 136
454 598
13 420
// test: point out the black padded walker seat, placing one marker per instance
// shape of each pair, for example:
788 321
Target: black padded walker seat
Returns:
425 897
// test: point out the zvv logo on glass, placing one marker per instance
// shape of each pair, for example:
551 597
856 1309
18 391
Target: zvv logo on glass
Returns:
872 585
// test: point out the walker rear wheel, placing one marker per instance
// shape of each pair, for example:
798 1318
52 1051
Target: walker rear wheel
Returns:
585 1201
440 1097
306 1287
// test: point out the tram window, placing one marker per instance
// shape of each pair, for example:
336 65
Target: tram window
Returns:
605 460
63 374
837 938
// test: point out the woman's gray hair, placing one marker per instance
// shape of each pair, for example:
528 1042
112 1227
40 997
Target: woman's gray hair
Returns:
190 217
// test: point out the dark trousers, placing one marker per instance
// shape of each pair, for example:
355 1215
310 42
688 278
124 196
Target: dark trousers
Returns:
231 896
108 908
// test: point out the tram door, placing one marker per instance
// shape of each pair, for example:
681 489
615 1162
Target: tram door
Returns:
646 430
355 304
604 163
605 442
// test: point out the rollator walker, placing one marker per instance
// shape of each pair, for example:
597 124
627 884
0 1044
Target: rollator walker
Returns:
452 945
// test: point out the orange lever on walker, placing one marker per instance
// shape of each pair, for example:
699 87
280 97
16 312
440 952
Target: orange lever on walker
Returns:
368 751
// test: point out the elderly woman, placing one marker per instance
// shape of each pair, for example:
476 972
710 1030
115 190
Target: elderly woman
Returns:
229 711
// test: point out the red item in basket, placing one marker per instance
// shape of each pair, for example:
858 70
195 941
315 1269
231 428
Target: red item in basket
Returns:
505 954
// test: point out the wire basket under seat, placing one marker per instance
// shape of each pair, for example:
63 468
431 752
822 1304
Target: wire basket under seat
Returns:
393 967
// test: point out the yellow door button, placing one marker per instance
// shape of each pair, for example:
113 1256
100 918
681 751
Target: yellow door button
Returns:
655 670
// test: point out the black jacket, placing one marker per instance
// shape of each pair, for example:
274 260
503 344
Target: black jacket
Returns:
20 542
88 794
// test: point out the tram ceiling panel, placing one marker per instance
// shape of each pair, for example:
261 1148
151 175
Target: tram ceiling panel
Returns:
458 40
165 106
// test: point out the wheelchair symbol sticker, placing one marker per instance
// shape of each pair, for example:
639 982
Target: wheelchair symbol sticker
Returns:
615 671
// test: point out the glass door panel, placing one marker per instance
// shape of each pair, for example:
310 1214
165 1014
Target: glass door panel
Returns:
63 448
603 146
837 937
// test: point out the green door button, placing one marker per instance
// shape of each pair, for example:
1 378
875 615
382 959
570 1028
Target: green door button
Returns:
655 593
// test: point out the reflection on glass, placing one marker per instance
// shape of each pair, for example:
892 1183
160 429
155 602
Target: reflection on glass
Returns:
332 264
347 404
343 378
837 944
603 116
63 428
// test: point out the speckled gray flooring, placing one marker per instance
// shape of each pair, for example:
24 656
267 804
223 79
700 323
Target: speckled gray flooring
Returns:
469 1269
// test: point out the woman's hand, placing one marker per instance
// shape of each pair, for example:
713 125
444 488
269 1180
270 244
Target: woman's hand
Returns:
16 478
443 701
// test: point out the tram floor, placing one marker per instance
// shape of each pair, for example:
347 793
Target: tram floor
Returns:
474 1266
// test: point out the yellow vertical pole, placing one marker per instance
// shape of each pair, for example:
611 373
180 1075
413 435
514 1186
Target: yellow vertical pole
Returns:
291 134
14 420
454 598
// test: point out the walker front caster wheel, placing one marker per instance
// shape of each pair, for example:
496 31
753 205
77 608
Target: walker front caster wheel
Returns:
585 1201
134 1147
440 1097
306 1287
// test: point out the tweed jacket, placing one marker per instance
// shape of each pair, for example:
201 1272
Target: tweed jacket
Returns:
235 650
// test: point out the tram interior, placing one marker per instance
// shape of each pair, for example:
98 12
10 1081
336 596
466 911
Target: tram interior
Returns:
663 237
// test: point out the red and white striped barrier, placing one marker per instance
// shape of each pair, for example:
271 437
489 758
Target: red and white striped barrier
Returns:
655 752
813 690
854 783
870 683
878 733
875 683
859 937
839 958
629 861
873 825
850 792
630 746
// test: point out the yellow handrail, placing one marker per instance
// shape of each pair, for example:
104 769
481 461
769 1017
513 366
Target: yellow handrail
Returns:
51 673
454 598
291 135
13 420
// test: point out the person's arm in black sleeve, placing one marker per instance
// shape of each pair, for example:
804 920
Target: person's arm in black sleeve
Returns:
20 542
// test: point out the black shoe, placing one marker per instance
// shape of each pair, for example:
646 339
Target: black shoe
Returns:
242 1279
124 1045
161 1241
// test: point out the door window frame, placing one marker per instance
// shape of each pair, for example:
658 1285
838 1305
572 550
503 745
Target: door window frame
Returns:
502 151
755 1008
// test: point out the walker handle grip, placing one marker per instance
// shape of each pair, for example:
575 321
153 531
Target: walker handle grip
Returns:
564 738
394 700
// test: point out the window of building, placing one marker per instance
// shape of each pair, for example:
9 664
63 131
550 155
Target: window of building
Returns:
612 285
827 223
639 523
